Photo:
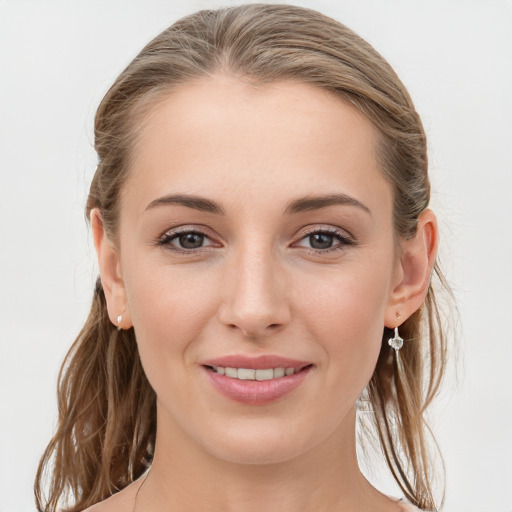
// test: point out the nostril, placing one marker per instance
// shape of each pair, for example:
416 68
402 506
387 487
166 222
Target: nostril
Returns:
255 331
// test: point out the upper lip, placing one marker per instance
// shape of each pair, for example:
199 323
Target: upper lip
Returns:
256 363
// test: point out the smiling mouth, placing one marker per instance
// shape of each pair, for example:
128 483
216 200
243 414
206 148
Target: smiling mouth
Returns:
261 374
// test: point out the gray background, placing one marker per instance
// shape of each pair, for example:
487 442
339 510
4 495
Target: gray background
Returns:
57 58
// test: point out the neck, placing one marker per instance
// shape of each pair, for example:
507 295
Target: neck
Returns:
185 477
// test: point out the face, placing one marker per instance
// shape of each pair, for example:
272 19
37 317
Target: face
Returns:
256 233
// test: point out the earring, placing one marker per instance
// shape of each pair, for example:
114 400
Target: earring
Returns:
396 342
119 320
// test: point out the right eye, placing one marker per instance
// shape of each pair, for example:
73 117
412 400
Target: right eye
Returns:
185 240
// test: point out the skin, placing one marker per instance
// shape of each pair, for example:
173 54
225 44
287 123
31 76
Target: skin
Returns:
258 286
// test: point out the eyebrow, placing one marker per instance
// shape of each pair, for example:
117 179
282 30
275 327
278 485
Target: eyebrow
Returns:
309 203
194 202
303 204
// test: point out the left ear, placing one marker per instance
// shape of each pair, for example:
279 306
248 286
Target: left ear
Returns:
417 259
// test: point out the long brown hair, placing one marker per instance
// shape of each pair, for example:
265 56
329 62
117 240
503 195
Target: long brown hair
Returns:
107 413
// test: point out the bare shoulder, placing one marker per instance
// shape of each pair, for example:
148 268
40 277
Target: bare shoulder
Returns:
121 501
407 507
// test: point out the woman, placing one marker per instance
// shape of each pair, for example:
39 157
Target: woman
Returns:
260 215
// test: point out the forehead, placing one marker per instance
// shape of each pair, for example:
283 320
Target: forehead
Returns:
222 136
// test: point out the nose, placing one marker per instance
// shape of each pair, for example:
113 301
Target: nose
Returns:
254 295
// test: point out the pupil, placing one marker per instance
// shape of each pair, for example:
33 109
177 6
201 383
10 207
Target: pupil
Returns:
320 241
191 240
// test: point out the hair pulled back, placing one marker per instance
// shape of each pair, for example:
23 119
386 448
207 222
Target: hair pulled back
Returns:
107 409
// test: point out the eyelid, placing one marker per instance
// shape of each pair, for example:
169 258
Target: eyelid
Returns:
344 238
165 240
326 229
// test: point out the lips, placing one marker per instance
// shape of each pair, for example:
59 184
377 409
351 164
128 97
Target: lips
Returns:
256 363
256 381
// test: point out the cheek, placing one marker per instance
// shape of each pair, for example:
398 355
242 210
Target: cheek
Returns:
169 311
348 301
345 314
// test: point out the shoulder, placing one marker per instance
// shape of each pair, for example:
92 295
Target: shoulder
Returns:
123 500
407 507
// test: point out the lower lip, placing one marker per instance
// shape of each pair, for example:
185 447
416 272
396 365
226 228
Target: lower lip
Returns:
255 392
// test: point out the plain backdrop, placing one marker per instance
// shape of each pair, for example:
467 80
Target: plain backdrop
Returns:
57 59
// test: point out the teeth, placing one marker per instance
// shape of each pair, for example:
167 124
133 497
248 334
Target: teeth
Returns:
279 372
232 372
265 374
246 374
249 374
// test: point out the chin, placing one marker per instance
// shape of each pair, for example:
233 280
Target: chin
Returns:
258 453
263 443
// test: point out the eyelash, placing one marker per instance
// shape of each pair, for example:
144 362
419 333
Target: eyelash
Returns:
344 240
166 240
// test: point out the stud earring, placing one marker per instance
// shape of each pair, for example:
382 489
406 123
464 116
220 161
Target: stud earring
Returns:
396 342
119 320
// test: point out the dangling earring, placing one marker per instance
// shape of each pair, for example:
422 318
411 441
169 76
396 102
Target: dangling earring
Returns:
396 342
119 320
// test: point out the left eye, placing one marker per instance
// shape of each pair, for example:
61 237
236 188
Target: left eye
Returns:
321 240
189 240
324 240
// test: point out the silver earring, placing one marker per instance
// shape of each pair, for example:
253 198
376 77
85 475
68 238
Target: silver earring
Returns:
119 320
396 342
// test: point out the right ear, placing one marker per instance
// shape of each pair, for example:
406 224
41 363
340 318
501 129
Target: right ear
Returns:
110 273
